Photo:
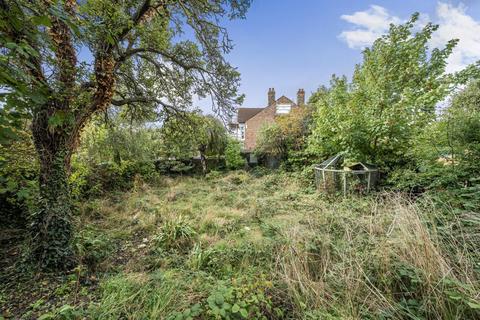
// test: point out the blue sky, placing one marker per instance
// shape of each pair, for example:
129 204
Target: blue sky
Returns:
291 44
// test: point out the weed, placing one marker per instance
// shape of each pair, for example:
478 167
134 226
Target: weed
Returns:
176 235
92 248
236 299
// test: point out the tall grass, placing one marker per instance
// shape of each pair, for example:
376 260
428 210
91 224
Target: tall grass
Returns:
386 259
165 250
140 296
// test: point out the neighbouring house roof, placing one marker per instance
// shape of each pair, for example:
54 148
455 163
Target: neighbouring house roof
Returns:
285 100
246 113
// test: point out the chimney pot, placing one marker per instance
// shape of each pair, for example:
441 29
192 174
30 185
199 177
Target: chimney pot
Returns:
271 96
301 97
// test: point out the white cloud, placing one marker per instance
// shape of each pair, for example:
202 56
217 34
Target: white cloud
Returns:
369 25
454 23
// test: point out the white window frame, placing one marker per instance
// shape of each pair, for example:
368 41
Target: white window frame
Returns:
241 131
283 108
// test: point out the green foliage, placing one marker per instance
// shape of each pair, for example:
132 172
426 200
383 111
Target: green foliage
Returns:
392 97
176 235
233 156
18 179
18 95
112 154
192 135
409 283
447 152
286 139
92 248
117 139
98 179
236 299
50 243
187 314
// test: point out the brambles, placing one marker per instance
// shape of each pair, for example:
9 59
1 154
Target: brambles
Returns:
235 299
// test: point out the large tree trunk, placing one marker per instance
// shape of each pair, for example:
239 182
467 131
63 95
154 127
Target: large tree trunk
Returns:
52 222
203 161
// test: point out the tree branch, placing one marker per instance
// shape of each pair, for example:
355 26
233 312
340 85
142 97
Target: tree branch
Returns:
126 101
61 36
127 54
144 12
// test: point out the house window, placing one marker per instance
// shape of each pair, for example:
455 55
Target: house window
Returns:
241 131
283 108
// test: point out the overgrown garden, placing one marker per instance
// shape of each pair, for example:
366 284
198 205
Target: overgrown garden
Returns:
118 200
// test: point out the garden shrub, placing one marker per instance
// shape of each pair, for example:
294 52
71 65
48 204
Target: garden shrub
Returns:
445 155
95 180
233 156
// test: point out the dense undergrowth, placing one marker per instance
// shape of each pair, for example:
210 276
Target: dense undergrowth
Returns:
257 245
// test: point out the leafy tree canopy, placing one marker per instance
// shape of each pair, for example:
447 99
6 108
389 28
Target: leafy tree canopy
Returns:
392 96
287 135
193 134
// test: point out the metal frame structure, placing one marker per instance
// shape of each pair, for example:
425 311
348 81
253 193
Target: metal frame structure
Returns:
330 176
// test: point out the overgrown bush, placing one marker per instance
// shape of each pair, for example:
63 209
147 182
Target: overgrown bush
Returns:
391 98
447 152
18 180
233 156
286 139
96 180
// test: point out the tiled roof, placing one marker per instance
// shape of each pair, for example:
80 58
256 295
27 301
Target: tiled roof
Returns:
284 100
246 113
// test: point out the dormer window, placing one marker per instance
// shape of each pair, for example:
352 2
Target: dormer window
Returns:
283 108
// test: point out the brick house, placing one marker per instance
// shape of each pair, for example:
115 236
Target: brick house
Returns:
248 121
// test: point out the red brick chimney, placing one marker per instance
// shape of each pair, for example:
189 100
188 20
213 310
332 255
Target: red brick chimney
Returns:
271 96
301 97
